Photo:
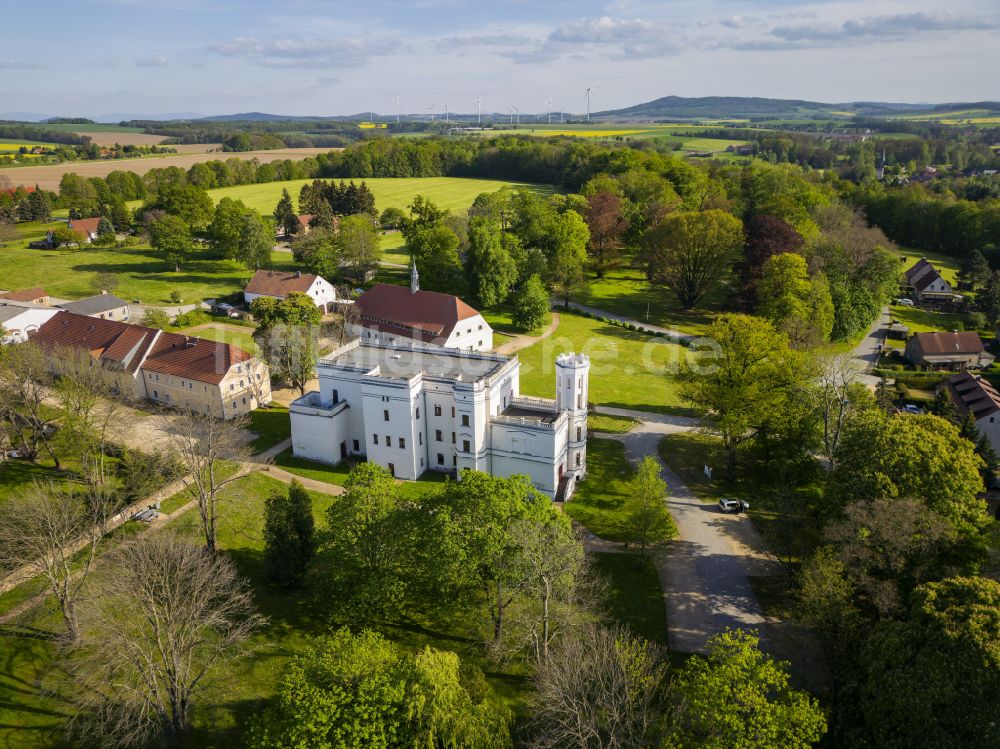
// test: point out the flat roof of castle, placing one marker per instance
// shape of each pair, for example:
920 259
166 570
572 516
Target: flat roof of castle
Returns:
406 362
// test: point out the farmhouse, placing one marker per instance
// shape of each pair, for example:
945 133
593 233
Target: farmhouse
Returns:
395 314
413 407
927 283
940 350
168 368
18 321
279 284
36 295
974 395
104 306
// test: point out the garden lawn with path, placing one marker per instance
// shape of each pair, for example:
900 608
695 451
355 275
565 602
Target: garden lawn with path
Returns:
627 292
628 369
600 501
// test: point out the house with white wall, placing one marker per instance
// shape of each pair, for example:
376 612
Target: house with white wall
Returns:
971 394
396 314
18 321
414 407
279 284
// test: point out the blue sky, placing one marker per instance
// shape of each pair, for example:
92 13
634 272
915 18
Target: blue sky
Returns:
294 57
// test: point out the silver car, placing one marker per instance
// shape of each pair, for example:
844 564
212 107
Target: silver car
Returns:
730 505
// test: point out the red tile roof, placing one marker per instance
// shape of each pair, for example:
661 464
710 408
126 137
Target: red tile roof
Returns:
25 295
304 220
86 225
424 316
131 347
279 283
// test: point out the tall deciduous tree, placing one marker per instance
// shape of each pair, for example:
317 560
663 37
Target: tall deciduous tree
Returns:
167 615
795 303
25 378
689 253
212 451
932 680
600 688
606 223
766 236
531 304
490 270
364 691
287 336
737 696
256 242
749 376
319 251
226 226
358 242
171 238
289 534
648 520
435 251
53 532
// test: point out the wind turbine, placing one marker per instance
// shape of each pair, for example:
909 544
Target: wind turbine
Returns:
447 119
518 112
479 110
432 107
510 111
396 100
589 89
548 103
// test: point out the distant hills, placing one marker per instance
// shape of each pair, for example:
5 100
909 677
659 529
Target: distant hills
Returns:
664 108
753 107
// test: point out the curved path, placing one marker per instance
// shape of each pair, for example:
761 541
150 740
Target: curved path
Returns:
520 341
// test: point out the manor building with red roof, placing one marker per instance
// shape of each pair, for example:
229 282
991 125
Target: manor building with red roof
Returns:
169 368
387 313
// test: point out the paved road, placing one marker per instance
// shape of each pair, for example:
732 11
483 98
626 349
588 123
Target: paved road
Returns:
867 351
705 571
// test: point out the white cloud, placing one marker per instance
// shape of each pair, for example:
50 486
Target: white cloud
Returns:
305 53
881 27
156 61
19 65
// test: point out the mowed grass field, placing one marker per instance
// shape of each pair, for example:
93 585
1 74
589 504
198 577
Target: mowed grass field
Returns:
453 193
627 369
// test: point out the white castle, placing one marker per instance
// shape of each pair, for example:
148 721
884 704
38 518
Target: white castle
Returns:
416 407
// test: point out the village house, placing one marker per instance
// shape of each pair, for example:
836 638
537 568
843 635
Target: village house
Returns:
36 295
942 350
104 306
927 284
168 368
279 284
413 407
972 394
18 321
396 314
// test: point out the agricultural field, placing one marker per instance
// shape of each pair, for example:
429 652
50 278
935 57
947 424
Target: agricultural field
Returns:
453 193
142 274
986 117
627 370
47 177
69 127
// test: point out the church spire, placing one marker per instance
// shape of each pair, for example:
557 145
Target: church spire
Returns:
414 278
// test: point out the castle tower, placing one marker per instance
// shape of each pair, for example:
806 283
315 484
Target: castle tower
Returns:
414 278
572 389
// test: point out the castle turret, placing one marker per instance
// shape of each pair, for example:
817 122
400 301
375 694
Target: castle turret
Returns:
572 375
414 278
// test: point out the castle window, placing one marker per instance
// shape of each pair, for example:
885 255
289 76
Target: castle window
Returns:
402 443
437 410
385 415
388 440
465 420
466 447
437 435
374 439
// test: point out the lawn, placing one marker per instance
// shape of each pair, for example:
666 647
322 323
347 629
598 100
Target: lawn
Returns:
628 369
142 274
453 193
609 424
634 596
219 332
272 425
600 500
626 292
337 474
922 320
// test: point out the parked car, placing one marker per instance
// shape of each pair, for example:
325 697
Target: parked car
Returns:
904 302
730 505
909 408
